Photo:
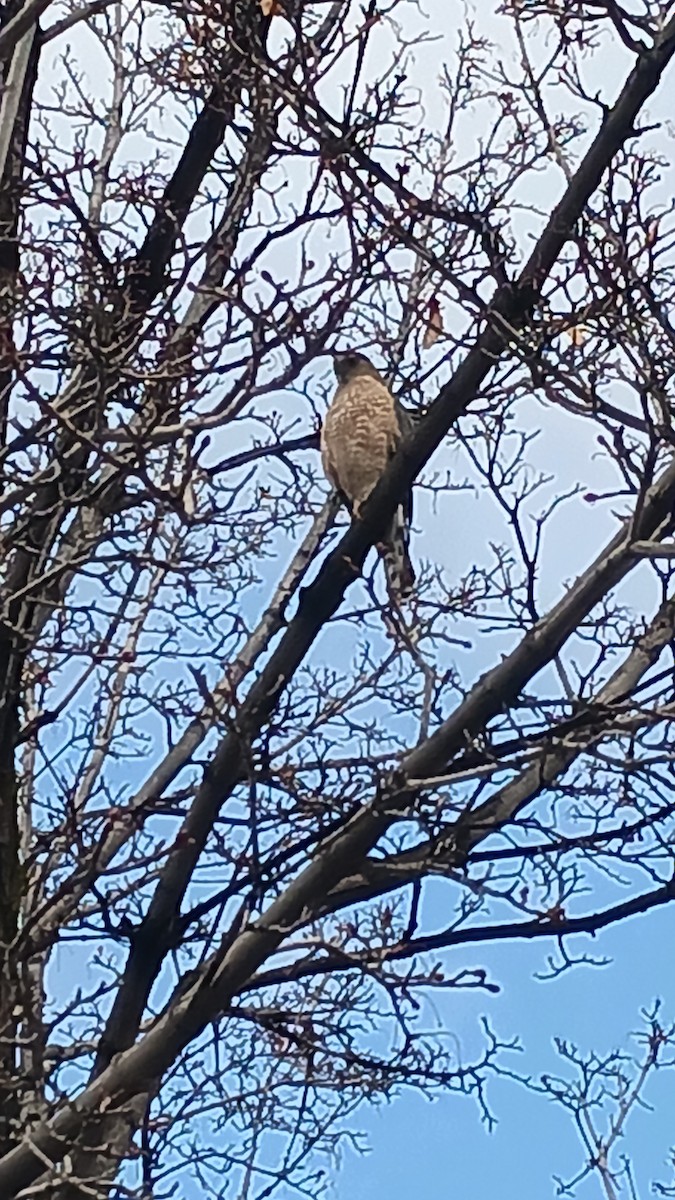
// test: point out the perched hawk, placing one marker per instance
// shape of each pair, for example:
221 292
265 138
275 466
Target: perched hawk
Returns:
363 427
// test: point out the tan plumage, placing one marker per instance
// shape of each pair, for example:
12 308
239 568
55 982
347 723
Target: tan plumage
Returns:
363 427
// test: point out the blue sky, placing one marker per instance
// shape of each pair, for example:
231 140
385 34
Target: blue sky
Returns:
439 1149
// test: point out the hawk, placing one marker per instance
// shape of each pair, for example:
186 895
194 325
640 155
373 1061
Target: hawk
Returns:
363 427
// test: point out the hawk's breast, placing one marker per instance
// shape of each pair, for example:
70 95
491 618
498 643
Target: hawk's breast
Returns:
359 436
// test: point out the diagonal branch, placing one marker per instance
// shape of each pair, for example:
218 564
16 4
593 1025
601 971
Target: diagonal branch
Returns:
453 846
335 961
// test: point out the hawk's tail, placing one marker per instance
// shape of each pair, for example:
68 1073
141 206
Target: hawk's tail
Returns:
397 565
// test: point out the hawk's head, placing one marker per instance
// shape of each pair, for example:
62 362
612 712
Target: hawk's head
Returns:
348 366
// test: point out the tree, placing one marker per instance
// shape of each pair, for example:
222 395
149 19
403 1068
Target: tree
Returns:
229 768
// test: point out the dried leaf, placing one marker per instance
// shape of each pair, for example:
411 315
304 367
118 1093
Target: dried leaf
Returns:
651 232
271 8
189 499
434 324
